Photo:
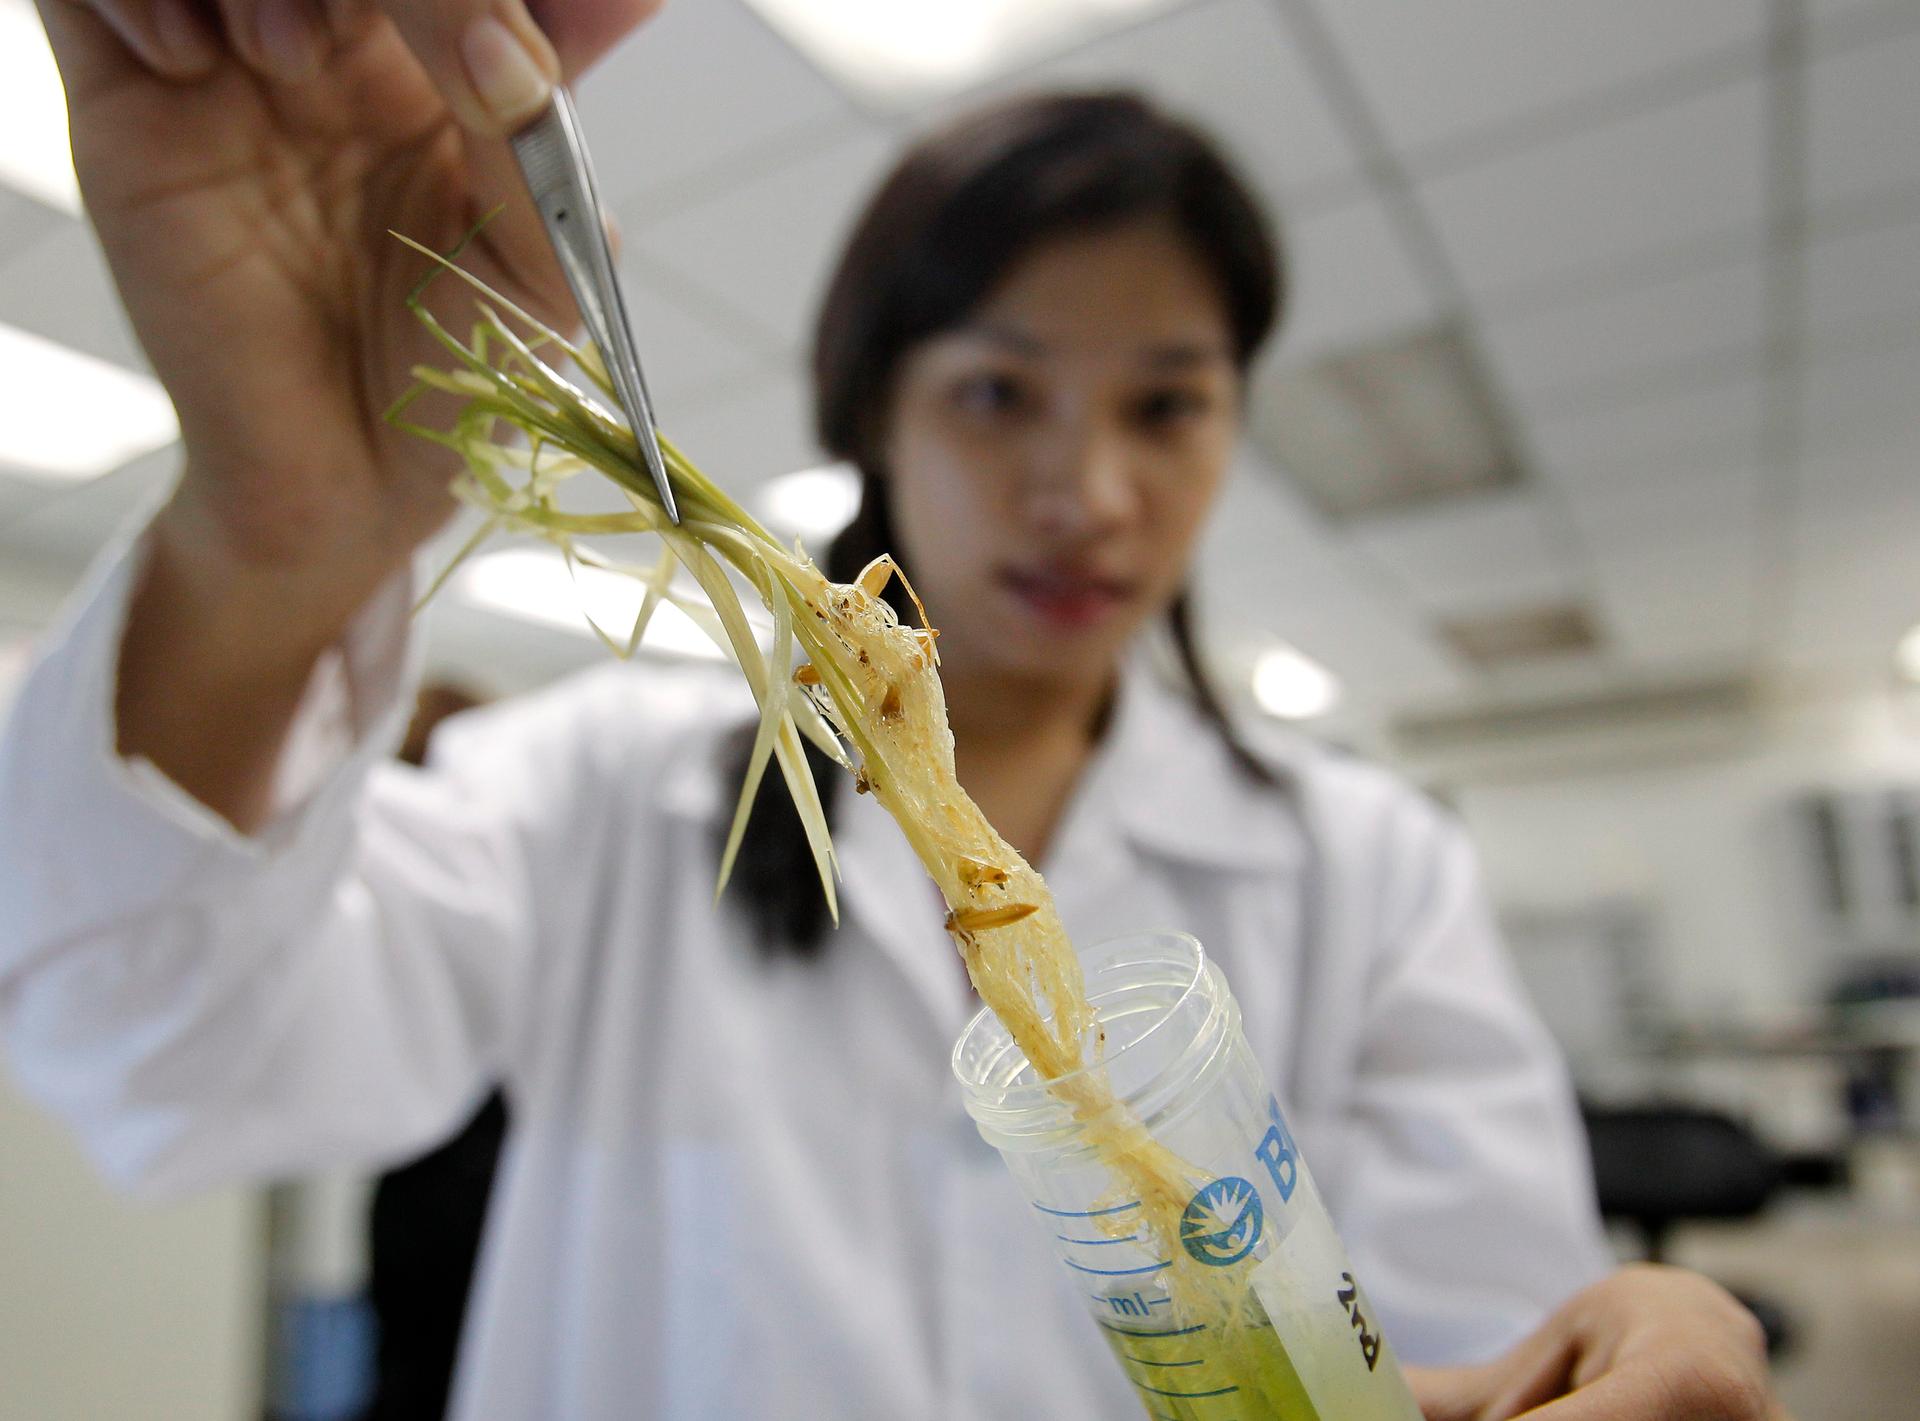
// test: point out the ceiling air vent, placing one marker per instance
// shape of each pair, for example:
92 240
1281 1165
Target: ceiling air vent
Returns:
1500 639
1387 426
1634 727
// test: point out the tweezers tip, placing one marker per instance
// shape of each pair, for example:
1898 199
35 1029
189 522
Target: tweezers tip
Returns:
656 462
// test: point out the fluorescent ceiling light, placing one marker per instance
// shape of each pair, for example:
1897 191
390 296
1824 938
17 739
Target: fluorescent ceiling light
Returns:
78 417
813 504
34 156
902 52
1906 656
535 585
1293 686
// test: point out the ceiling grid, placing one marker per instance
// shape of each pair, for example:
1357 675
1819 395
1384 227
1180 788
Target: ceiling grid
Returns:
1685 241
1415 227
1785 315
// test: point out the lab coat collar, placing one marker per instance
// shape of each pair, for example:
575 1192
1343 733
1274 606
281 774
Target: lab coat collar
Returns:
1161 774
1166 778
1161 785
882 887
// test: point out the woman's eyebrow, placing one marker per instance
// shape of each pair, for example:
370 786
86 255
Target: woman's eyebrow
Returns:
1012 338
1162 356
1183 355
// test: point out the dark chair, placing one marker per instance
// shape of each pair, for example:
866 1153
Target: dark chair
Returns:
1657 1166
423 1238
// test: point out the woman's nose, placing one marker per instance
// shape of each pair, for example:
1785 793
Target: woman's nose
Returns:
1085 485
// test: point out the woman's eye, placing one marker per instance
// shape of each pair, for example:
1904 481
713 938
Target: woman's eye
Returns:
1160 409
990 394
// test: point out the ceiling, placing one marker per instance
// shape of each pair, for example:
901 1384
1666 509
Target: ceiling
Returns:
1685 240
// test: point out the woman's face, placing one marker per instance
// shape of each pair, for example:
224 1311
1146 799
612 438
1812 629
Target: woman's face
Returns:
1053 458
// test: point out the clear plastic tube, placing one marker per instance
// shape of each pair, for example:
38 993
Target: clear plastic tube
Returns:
1253 1311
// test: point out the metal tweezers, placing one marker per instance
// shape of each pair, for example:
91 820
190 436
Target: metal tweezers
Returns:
553 158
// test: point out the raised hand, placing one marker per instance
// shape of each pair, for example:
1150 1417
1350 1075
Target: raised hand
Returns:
243 166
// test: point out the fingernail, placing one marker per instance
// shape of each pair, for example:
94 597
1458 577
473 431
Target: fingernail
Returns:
289 38
188 43
510 82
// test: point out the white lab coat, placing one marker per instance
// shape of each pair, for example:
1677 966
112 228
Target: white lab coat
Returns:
734 1187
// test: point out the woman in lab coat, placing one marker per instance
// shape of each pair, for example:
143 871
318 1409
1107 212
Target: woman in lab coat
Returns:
236 944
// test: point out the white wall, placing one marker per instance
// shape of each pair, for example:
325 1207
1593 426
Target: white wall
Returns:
112 1309
1703 836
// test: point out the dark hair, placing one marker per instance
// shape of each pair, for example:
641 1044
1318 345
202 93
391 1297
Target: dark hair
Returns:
957 212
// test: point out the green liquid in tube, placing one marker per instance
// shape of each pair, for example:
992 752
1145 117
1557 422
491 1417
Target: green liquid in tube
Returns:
1240 1370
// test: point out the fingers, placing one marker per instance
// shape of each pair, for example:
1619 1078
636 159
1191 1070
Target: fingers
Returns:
1710 1388
584 30
1658 1343
108 41
518 241
494 63
285 40
1452 1393
487 58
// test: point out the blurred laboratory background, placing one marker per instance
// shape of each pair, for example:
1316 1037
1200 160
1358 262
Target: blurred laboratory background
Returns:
1581 487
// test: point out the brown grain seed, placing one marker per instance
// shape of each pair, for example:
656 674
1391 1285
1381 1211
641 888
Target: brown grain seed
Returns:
973 920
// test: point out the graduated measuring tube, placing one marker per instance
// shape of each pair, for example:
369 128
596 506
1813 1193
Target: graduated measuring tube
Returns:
1253 1313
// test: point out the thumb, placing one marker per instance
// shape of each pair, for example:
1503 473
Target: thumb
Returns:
488 58
495 64
584 30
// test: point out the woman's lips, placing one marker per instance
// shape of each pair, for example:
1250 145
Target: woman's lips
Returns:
1067 601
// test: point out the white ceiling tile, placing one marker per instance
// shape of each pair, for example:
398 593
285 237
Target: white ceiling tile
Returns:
1867 558
1680 557
1381 649
1230 65
1704 632
23 222
16 496
1864 487
1860 401
1639 184
1682 593
1472 555
60 288
1824 636
1350 282
1855 589
500 655
1265 531
703 82
1659 326
1819 12
1864 279
1269 567
686 355
1709 424
744 438
1863 112
1440 68
764 248
1616 509
1856 582
66 524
